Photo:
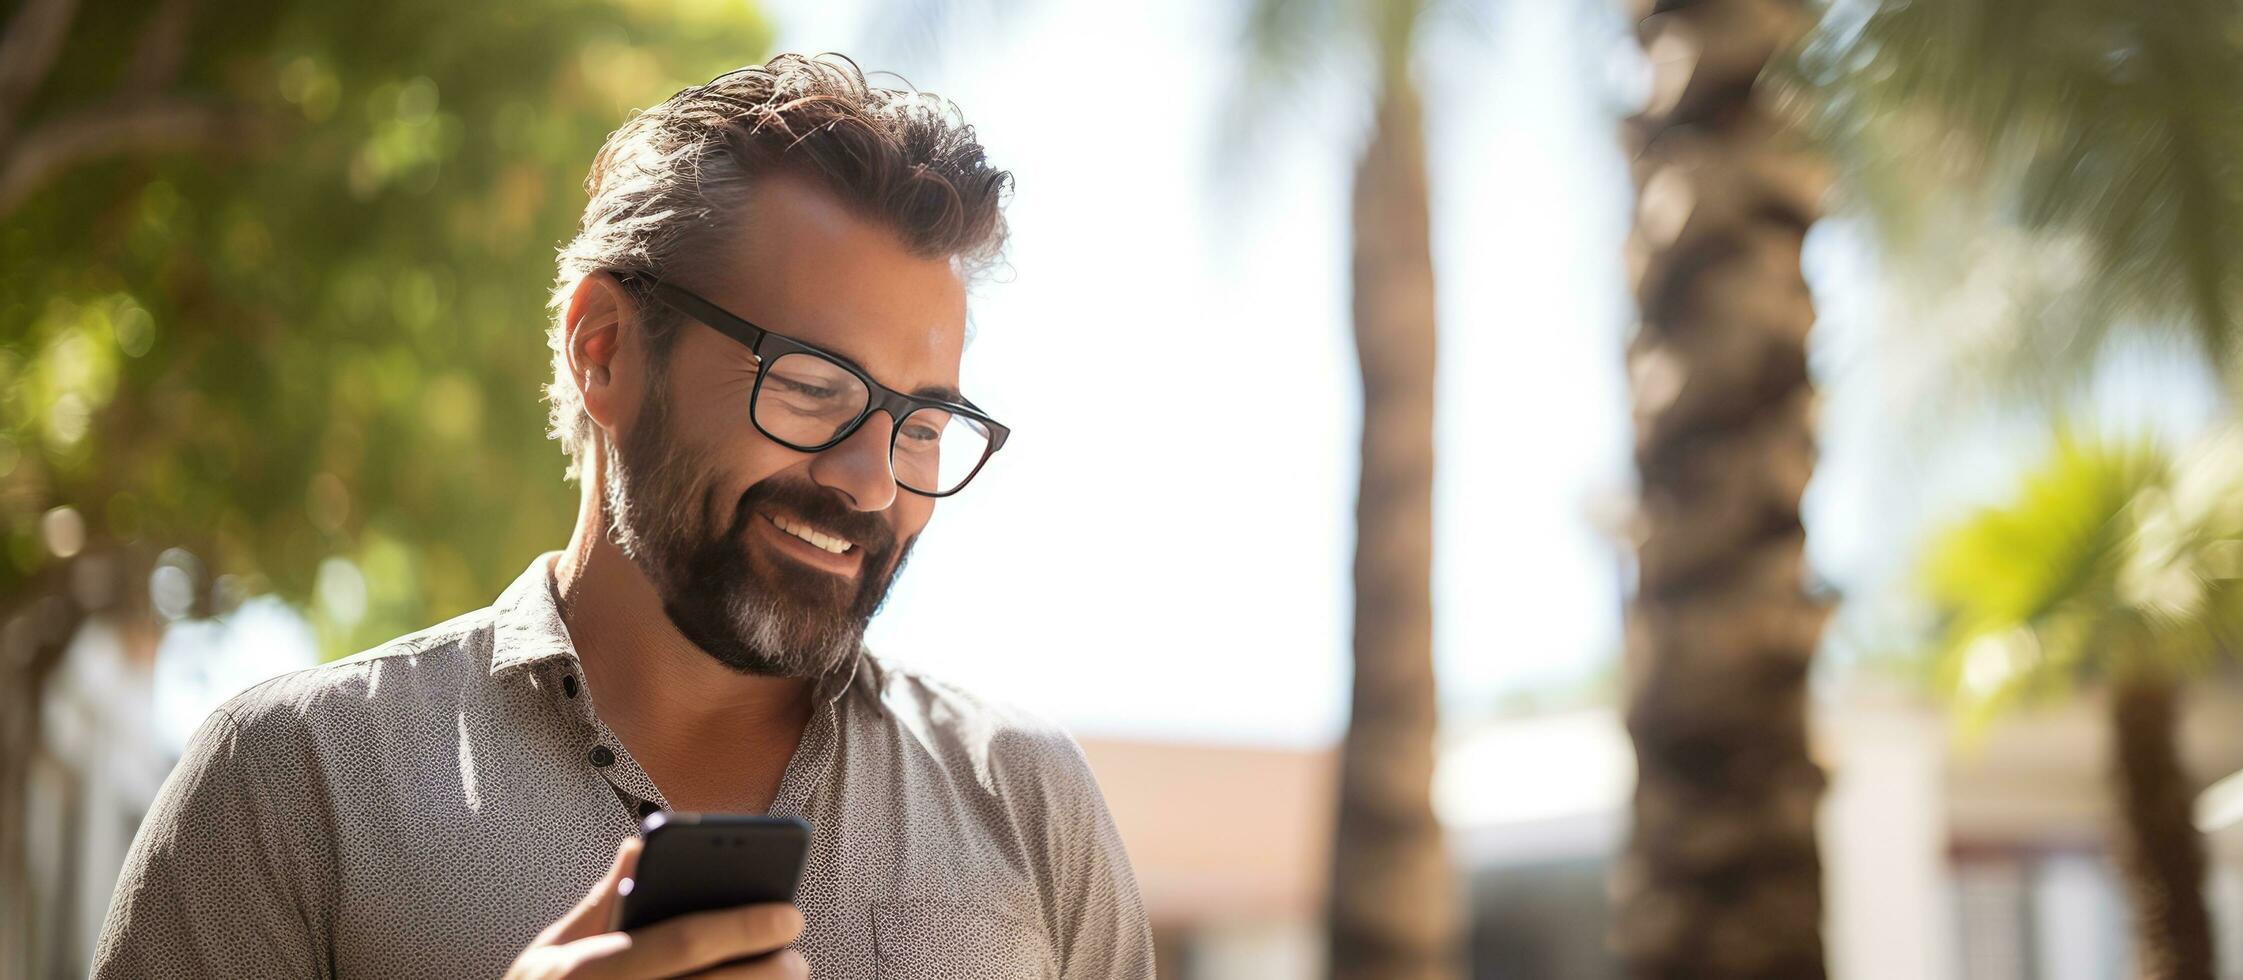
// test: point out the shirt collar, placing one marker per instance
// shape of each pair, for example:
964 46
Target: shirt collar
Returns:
527 629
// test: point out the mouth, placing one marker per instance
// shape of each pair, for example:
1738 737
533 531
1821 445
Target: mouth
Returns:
808 545
830 543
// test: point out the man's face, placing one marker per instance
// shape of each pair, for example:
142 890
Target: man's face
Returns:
738 533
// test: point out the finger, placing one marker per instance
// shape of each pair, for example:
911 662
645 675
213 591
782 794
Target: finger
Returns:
785 964
706 939
596 909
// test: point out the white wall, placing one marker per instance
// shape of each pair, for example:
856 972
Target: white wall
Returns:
1884 841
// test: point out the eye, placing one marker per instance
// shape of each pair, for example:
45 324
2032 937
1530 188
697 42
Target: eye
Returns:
920 433
794 387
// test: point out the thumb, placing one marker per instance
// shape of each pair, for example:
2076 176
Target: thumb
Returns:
593 914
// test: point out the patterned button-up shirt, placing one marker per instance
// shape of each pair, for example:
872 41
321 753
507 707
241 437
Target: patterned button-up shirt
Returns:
423 809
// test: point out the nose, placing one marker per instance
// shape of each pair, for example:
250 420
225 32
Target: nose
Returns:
858 466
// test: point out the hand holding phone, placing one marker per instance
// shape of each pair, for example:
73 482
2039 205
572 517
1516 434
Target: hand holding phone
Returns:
585 943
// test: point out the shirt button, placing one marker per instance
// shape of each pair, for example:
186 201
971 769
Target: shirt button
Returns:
602 757
568 684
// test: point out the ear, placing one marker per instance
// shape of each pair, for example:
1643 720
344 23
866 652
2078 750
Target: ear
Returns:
606 350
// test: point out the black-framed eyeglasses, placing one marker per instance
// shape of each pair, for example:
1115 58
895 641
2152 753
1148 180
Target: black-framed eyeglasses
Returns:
809 400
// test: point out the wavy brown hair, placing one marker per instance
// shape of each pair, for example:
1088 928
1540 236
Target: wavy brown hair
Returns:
668 184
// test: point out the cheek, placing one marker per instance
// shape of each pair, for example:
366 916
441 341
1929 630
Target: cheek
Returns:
723 443
748 459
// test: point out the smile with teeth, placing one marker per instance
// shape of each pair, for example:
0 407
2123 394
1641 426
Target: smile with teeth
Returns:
814 536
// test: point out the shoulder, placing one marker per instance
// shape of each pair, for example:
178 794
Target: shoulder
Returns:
1010 750
342 697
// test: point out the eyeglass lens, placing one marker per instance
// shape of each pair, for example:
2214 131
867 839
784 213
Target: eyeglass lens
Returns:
806 401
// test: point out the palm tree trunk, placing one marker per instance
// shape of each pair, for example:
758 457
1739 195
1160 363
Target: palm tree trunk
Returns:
1721 877
1393 895
2159 848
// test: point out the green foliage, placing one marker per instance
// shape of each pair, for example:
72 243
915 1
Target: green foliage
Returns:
2112 559
326 342
2075 158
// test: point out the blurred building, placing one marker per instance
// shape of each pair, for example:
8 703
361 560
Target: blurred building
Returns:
1945 858
114 718
98 766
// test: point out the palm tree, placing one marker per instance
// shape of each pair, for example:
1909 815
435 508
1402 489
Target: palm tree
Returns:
2107 127
2115 566
2102 134
1394 909
1721 876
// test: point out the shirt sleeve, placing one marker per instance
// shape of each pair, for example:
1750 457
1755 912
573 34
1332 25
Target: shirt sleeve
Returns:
1102 932
1110 938
217 882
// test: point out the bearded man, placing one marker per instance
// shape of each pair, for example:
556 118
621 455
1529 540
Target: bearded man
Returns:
756 344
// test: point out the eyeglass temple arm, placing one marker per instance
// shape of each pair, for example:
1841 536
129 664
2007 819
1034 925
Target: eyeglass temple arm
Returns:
748 334
741 330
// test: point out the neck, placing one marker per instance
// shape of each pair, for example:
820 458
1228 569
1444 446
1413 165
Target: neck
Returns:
675 706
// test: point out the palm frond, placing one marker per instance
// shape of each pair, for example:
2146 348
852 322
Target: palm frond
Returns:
2114 557
2012 564
2110 124
2021 589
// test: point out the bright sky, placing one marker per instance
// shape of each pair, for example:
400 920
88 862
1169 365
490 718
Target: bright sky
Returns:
1162 550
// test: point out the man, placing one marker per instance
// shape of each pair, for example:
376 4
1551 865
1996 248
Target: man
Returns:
756 347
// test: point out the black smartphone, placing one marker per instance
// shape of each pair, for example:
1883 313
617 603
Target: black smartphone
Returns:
693 862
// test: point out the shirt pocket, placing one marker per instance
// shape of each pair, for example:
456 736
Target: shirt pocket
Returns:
952 940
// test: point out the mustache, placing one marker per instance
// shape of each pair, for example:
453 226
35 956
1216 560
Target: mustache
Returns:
821 507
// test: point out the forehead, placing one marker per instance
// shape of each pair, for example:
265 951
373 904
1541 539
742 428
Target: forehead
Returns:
804 264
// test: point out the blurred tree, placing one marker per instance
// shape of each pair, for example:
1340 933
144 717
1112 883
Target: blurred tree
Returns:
2119 567
1395 902
1721 876
272 286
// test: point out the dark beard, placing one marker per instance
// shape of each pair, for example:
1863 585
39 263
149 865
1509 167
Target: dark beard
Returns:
766 617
